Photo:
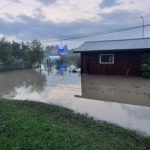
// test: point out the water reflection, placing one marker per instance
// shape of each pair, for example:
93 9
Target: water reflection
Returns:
9 81
60 90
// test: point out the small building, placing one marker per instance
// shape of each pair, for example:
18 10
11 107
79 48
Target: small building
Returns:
105 66
114 57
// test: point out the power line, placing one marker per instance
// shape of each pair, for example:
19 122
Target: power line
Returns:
72 37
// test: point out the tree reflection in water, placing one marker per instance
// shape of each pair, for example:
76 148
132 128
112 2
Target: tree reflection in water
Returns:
9 81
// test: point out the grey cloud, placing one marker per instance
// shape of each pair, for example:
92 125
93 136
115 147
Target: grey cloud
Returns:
108 3
121 18
39 13
36 27
15 1
47 2
9 16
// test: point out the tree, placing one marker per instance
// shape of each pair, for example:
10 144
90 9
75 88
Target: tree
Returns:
25 47
6 56
36 52
17 51
18 56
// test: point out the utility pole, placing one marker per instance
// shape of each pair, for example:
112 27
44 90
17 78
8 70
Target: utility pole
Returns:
61 39
142 27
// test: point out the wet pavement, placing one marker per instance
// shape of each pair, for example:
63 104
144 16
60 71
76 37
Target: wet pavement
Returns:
61 90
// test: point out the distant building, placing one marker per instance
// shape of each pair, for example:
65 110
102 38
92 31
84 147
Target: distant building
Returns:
55 50
47 51
51 50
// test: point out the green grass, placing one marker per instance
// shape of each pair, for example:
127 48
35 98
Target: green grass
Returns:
28 125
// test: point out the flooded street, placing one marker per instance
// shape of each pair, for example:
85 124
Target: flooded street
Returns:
61 90
127 90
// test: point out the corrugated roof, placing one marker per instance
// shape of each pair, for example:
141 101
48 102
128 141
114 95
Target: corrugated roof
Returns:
115 45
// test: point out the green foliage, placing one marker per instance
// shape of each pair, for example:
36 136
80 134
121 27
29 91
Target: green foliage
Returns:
20 55
28 125
146 70
36 52
145 67
17 51
26 55
5 52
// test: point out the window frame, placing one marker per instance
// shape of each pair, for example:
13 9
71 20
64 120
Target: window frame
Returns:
107 63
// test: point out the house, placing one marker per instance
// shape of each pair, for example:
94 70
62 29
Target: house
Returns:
111 70
114 57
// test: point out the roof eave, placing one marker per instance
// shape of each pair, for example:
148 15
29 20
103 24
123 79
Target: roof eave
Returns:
119 50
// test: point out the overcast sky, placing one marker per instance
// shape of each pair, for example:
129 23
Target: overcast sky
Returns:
47 19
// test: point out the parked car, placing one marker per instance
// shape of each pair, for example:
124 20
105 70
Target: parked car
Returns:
75 70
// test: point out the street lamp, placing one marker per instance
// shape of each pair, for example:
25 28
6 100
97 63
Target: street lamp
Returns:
143 27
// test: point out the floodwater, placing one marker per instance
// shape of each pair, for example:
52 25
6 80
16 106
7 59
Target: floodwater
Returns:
121 89
61 90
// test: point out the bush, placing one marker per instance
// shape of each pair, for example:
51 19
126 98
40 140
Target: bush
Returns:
145 67
146 70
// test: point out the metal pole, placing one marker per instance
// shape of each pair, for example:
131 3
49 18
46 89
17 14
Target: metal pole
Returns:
61 40
143 27
60 37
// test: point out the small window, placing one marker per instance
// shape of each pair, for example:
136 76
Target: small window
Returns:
107 59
